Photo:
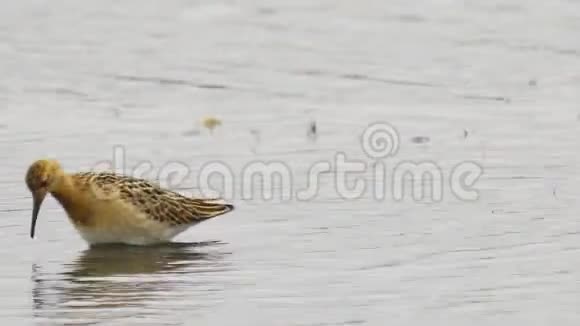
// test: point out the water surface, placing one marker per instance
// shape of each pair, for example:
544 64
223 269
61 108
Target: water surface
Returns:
488 82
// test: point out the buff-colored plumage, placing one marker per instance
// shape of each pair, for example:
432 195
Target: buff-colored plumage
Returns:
110 208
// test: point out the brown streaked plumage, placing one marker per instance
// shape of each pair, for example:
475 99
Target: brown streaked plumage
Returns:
110 208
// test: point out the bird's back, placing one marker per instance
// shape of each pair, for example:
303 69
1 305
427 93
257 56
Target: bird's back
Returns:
149 198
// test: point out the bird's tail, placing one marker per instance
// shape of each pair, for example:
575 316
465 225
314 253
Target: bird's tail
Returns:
208 208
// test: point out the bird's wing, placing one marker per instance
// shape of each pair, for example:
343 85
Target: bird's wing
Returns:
156 203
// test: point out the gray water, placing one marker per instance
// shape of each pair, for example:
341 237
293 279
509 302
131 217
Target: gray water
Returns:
490 82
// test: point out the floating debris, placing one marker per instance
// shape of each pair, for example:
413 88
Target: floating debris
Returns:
532 83
266 11
487 98
312 130
256 134
211 123
420 139
257 138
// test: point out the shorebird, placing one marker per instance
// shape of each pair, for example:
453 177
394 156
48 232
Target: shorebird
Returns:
110 208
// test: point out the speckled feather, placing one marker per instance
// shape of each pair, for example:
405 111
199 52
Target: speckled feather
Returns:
150 199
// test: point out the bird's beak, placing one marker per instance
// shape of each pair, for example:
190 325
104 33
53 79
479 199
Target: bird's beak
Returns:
37 198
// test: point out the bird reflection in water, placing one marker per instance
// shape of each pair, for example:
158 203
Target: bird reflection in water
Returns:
126 277
111 260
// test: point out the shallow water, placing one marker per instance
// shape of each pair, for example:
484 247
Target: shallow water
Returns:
492 83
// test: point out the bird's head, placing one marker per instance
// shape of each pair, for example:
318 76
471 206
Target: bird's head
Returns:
41 178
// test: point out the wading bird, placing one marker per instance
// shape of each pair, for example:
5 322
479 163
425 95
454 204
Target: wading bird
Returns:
110 208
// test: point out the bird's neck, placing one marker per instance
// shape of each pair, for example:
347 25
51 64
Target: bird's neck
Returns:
64 191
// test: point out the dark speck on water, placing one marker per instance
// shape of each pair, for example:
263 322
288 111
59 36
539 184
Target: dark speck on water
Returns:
500 244
312 130
420 139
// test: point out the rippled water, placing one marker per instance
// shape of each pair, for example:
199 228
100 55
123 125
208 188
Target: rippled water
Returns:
492 82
